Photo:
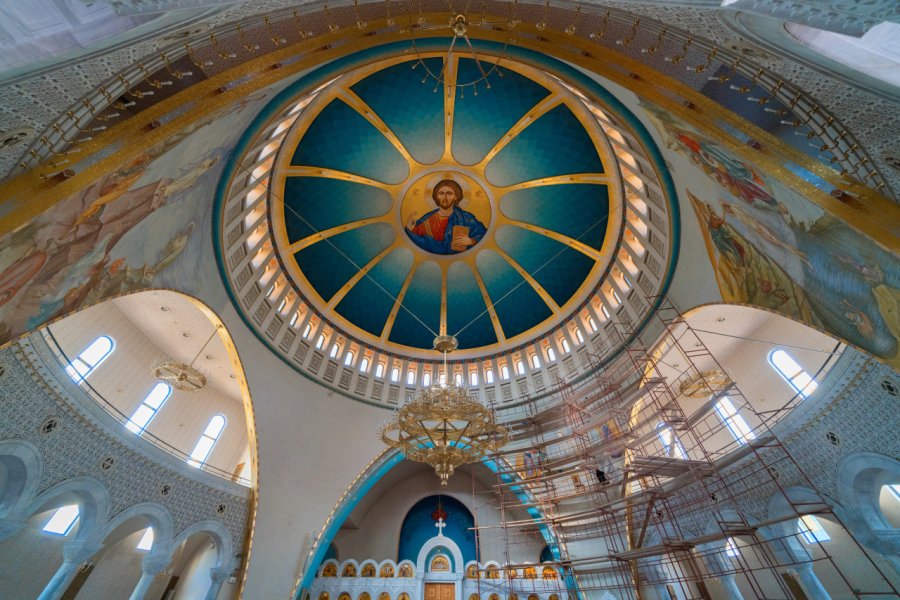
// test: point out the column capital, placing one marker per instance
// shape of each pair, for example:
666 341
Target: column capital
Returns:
80 551
219 574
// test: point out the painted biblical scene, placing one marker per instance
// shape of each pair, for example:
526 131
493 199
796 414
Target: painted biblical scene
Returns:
146 224
446 213
773 248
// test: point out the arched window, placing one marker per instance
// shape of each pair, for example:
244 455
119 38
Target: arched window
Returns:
535 361
320 341
473 377
426 379
207 441
348 359
578 336
148 408
395 374
334 351
90 358
734 421
792 372
625 281
410 377
63 520
504 372
812 530
146 542
592 323
565 346
457 379
364 365
294 318
379 370
520 367
551 354
666 435
616 296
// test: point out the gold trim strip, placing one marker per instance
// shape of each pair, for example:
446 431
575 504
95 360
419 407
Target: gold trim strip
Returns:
327 233
535 113
345 289
492 312
297 171
553 235
596 178
545 296
398 303
366 111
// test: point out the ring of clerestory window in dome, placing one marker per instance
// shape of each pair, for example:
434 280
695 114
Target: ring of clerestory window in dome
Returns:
402 211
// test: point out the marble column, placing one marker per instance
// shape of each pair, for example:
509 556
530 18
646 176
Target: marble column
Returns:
218 577
74 555
811 583
151 566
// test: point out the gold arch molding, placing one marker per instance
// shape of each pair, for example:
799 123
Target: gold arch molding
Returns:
559 96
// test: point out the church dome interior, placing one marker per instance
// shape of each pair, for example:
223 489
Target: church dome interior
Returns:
428 301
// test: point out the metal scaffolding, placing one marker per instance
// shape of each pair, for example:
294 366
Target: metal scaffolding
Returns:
645 476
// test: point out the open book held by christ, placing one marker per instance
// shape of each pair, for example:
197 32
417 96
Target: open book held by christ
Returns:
458 230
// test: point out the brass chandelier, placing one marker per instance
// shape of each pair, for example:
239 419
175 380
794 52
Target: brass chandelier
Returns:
444 426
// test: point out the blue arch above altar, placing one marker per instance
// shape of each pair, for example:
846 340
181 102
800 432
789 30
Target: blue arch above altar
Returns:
419 527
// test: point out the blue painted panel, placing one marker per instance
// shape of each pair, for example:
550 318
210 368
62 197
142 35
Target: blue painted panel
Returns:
329 264
341 138
558 268
413 110
312 204
423 299
480 121
369 303
466 310
578 210
519 307
555 144
418 527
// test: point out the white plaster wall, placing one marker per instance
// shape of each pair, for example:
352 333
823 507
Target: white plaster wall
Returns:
117 570
195 581
311 445
378 534
124 379
29 558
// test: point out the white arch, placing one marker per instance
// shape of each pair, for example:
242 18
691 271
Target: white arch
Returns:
24 465
91 496
367 562
346 562
860 479
440 541
217 531
325 563
159 518
386 562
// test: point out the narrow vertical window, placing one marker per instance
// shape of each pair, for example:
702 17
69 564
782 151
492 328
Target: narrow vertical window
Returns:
670 442
148 408
395 374
504 372
307 331
90 358
734 421
379 370
535 361
364 365
520 367
625 281
294 318
605 311
616 296
792 372
334 351
320 342
578 336
565 346
410 377
473 378
592 324
489 376
458 379
146 542
551 354
348 359
812 530
207 441
426 379
63 520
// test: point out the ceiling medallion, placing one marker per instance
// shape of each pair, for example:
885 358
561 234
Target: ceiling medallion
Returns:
184 377
444 426
704 384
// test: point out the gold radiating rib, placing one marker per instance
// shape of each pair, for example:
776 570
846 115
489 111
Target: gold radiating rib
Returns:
553 235
334 174
539 109
327 233
360 106
443 327
449 107
395 310
492 313
545 296
595 178
345 289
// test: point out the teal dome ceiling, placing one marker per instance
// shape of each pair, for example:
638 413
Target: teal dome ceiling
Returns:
365 240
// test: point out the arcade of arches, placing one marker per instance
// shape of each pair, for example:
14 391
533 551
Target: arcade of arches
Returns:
663 233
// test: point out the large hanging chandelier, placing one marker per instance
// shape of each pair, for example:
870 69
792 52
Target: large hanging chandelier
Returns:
444 426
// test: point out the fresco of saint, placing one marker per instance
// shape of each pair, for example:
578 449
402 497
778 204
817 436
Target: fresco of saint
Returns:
448 229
